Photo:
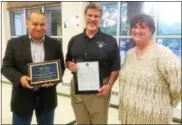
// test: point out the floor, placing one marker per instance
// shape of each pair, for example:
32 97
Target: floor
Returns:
63 115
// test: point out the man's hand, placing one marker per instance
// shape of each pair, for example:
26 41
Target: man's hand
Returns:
71 66
24 82
105 89
47 85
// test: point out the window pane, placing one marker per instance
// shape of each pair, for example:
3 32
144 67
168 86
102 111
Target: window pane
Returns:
128 11
150 8
169 22
124 24
109 17
125 45
17 20
28 11
54 21
173 44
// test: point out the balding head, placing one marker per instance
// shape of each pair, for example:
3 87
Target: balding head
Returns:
34 13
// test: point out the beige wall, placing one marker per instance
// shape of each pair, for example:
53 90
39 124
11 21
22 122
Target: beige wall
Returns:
5 30
5 27
69 11
28 4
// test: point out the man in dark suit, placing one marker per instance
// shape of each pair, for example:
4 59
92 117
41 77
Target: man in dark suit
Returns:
31 48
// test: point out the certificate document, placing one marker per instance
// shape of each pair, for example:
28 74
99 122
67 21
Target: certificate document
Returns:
88 77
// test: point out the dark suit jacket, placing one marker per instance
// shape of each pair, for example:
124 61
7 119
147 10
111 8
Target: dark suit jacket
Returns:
17 56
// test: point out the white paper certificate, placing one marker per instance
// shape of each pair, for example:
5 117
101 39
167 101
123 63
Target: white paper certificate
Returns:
88 76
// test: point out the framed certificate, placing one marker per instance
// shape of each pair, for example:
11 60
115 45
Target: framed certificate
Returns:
48 71
87 78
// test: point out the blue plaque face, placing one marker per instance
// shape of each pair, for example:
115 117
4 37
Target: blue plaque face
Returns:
44 72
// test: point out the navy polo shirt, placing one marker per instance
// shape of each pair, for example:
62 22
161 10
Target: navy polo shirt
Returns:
101 47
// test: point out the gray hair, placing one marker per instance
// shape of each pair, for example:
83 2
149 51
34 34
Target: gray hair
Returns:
35 12
93 6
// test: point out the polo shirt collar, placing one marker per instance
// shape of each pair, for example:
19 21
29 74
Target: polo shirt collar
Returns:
96 35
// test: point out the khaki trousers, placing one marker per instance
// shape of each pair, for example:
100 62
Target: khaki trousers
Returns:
90 108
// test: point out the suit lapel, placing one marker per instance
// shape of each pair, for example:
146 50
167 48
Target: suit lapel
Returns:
46 49
26 49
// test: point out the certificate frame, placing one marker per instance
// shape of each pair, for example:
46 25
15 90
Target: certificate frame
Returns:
54 75
75 75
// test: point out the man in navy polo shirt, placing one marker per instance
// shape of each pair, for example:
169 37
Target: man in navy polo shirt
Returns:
92 44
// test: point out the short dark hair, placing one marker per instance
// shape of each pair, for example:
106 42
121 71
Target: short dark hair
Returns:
143 19
93 6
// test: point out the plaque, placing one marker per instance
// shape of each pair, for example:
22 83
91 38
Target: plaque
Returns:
44 72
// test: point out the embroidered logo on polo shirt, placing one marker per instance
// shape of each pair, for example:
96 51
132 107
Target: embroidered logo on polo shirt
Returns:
100 44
